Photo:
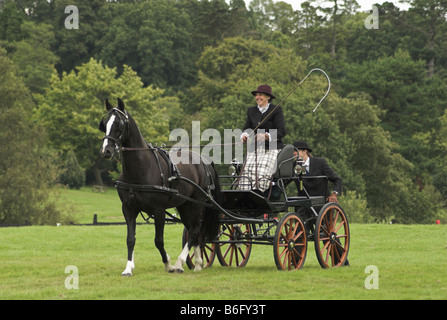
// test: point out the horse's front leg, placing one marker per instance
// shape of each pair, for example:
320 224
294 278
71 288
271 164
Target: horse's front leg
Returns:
131 221
159 242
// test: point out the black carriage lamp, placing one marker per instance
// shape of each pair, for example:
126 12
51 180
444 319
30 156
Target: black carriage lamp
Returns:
235 167
300 170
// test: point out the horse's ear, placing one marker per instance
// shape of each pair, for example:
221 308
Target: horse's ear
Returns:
108 105
120 104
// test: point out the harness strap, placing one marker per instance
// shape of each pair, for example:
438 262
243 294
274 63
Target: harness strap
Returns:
154 151
153 188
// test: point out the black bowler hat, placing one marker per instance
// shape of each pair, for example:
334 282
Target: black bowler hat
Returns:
301 145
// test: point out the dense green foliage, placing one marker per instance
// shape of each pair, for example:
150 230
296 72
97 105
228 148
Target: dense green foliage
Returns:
27 170
383 126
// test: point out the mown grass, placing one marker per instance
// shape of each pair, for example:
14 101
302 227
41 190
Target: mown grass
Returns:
411 260
82 204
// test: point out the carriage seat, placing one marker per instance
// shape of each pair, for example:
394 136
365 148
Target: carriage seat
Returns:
285 163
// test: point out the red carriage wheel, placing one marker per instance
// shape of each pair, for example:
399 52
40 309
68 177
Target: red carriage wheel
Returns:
332 236
234 254
290 246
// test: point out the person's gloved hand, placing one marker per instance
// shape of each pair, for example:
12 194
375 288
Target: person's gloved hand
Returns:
332 198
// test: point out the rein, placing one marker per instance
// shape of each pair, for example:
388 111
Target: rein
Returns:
134 149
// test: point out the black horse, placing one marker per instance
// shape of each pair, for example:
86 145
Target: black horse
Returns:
148 184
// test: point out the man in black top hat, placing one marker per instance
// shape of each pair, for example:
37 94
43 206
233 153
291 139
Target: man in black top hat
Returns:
316 187
318 167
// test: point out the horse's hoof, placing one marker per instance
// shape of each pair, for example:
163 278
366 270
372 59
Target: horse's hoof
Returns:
171 271
179 270
126 274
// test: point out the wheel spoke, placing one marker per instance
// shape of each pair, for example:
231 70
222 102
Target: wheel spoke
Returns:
298 235
283 252
327 221
324 227
325 247
241 253
295 252
293 229
231 248
334 221
332 255
205 255
286 257
339 245
227 251
342 223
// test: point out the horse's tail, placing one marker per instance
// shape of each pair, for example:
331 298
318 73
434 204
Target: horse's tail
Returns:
211 216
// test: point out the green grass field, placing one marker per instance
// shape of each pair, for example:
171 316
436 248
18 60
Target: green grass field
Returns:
411 261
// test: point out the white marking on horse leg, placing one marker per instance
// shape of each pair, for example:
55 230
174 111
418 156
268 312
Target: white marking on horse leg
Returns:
168 266
108 128
181 259
198 261
129 268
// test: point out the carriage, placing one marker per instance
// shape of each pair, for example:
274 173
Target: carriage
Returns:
286 222
220 218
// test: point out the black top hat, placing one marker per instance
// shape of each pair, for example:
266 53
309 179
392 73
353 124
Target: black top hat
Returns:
302 145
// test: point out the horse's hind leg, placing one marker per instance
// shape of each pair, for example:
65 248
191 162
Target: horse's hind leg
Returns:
198 261
159 218
190 214
178 267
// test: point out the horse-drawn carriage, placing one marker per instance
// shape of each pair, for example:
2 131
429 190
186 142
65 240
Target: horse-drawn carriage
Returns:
221 219
286 222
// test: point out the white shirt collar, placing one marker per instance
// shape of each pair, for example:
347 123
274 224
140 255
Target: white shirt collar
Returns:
263 109
307 162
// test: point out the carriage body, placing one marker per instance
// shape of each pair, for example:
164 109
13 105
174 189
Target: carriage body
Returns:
288 223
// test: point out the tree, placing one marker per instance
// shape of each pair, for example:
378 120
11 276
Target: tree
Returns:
214 20
27 170
334 15
11 18
33 55
73 106
364 44
152 37
428 17
309 36
72 175
389 81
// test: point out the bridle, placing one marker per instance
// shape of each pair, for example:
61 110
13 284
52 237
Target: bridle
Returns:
123 126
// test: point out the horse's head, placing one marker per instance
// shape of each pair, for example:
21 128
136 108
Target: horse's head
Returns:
114 125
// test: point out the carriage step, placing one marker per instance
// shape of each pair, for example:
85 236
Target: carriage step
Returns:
314 201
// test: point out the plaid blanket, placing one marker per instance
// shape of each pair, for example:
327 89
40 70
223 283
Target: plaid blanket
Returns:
258 170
